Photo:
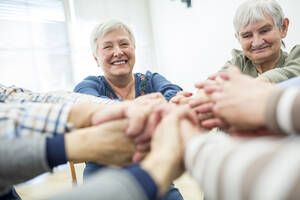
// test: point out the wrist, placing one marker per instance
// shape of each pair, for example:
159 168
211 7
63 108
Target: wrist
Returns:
161 169
81 114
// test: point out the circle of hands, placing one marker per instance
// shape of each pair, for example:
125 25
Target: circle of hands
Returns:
232 101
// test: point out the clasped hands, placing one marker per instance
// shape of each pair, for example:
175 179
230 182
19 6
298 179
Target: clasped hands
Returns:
232 101
118 133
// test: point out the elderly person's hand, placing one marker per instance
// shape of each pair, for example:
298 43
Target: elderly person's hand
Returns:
105 144
165 161
158 113
203 104
139 115
241 100
182 97
157 96
137 112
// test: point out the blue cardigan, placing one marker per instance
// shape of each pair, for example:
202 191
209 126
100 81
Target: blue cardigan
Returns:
144 84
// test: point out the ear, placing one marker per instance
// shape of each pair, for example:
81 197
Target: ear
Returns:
284 27
96 59
236 35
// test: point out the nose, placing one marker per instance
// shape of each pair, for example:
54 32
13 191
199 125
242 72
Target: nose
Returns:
257 40
118 52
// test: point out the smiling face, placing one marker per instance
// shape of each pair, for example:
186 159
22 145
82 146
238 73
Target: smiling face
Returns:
116 53
261 41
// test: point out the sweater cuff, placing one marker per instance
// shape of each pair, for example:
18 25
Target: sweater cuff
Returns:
144 179
55 149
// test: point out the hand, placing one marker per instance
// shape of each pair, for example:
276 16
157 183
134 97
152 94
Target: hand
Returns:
164 162
137 112
143 140
81 114
150 97
262 78
203 105
105 144
241 100
182 97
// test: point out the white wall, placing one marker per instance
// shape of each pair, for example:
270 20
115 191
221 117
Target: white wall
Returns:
192 43
87 14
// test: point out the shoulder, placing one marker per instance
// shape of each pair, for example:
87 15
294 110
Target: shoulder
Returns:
89 82
295 52
236 53
148 76
240 60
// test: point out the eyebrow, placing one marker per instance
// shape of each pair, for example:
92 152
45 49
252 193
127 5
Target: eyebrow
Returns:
266 26
121 40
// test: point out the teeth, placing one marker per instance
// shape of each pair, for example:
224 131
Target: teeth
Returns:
119 63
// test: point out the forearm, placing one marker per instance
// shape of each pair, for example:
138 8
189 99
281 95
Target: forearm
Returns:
18 95
105 143
160 171
226 167
282 114
22 159
81 114
20 120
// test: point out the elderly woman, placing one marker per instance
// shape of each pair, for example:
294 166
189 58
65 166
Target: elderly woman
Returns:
260 27
113 46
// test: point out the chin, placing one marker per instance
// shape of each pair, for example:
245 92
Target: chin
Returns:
121 73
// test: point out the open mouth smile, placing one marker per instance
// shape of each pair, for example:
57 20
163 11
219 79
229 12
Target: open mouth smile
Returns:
119 62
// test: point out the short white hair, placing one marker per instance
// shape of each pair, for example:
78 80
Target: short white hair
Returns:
252 11
101 29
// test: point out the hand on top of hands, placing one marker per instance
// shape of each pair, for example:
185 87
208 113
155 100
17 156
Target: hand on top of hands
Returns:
182 97
240 101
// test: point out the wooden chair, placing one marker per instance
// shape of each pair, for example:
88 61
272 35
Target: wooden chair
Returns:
73 174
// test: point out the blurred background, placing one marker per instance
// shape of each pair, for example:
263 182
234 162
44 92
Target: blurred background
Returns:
44 45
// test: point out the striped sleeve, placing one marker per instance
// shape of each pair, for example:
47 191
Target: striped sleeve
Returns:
255 169
28 119
19 95
283 111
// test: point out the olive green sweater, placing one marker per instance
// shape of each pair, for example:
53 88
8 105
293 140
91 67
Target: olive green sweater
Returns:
287 67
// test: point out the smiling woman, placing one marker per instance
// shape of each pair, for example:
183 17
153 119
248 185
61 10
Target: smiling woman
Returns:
260 28
113 46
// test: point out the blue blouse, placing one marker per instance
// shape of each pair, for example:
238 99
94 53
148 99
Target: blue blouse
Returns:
144 84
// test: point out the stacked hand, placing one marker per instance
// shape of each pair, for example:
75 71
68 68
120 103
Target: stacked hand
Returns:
238 103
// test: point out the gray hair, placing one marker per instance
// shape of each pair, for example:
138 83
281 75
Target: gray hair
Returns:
101 29
252 11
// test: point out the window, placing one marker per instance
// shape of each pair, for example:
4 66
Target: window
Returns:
34 46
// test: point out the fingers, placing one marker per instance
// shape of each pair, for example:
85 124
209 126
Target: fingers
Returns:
184 93
212 88
138 156
144 146
185 111
205 116
137 116
108 113
151 125
213 122
181 97
151 96
204 108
